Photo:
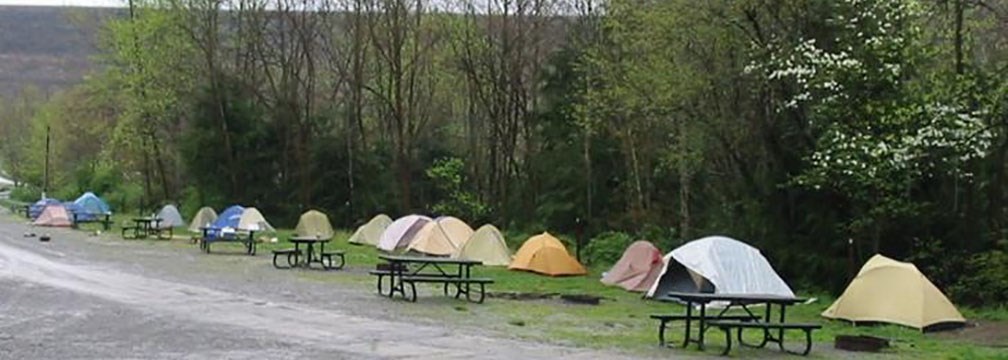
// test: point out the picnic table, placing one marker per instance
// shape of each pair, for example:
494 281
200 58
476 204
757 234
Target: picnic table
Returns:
321 257
143 227
105 219
409 270
221 236
727 322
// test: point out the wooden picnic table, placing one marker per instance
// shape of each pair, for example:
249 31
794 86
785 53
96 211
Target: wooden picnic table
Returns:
145 226
408 270
739 301
221 236
310 255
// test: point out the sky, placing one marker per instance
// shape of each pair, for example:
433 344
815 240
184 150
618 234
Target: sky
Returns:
94 3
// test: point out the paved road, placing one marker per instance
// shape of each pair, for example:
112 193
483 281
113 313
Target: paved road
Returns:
86 297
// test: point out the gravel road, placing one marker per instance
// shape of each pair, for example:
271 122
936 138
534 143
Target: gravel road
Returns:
92 297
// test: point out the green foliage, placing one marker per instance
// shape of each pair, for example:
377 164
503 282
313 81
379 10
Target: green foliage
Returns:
985 280
607 248
26 193
447 175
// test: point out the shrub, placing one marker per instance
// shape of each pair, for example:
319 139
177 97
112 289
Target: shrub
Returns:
985 281
607 247
26 193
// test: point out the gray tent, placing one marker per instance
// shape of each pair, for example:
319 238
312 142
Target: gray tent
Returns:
170 217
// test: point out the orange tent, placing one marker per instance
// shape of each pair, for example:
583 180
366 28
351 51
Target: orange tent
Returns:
53 215
546 255
637 269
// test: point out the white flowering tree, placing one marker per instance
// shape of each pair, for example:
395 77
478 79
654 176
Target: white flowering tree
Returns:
878 134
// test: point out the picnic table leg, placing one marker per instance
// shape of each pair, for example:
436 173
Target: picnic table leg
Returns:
780 332
689 316
703 325
467 276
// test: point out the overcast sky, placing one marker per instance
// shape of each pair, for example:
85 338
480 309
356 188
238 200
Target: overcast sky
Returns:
101 3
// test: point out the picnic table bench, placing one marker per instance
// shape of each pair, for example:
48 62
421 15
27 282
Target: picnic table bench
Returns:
104 219
773 331
237 236
322 257
143 227
409 270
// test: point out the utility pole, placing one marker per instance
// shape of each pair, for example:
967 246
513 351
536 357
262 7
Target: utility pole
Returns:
45 183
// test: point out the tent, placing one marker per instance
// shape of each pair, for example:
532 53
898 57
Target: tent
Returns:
398 234
443 237
314 223
721 265
54 215
204 217
170 217
486 245
227 222
36 209
371 232
637 269
252 220
89 206
546 255
890 291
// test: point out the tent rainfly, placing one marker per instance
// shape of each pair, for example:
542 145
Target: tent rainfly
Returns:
55 215
36 209
314 223
251 219
487 245
720 265
203 218
398 234
371 232
890 291
89 206
441 237
546 255
637 269
170 217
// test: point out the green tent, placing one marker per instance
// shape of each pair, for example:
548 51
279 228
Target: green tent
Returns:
314 223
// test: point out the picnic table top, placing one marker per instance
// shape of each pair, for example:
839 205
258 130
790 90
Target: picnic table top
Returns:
308 239
704 298
146 219
428 259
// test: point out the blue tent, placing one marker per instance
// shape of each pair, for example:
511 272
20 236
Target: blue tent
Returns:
36 209
227 219
89 207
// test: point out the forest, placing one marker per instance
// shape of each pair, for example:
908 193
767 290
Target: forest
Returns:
820 131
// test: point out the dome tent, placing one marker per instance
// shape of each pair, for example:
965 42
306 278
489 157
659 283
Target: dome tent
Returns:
203 218
314 223
170 217
546 255
890 291
89 206
441 237
371 232
55 215
486 245
637 269
398 234
36 209
721 265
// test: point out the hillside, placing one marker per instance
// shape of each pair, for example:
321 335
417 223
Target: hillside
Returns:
48 47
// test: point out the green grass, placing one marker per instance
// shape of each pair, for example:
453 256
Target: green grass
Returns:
620 322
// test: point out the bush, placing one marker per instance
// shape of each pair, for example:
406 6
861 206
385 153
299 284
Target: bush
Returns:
985 281
26 193
607 247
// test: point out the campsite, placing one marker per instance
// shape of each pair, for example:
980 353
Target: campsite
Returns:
575 179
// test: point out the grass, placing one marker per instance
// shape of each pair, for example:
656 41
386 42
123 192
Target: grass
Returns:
620 322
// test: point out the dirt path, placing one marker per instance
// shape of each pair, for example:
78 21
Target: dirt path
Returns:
81 297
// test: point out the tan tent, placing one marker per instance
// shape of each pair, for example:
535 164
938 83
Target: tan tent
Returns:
486 245
53 215
252 219
204 217
637 269
546 255
370 233
443 236
886 290
314 223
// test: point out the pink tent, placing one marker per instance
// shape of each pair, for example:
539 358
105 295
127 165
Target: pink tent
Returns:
637 269
53 215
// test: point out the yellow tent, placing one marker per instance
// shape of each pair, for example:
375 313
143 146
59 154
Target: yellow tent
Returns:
886 290
546 255
253 220
314 223
486 245
443 236
204 217
371 232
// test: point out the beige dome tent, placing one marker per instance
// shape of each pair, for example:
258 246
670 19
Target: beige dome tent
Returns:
251 219
399 233
886 290
443 236
546 255
637 269
204 217
486 245
53 215
371 232
314 223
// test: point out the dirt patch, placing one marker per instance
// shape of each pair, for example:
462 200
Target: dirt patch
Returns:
984 332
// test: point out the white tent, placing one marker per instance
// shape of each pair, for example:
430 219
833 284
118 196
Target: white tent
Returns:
720 265
400 232
170 217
